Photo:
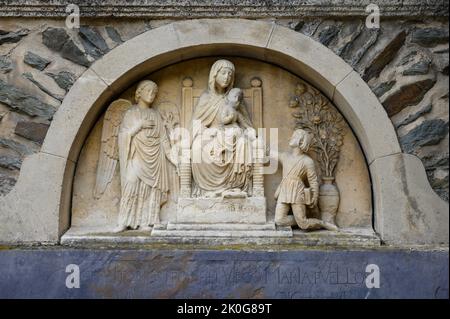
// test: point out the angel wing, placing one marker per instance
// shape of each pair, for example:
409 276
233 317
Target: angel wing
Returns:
109 149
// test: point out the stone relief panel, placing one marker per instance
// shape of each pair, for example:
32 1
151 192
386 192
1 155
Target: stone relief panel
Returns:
405 63
254 94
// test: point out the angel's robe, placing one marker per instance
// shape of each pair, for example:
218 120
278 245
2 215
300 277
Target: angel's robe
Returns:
143 147
225 163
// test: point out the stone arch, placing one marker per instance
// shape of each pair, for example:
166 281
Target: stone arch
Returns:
406 210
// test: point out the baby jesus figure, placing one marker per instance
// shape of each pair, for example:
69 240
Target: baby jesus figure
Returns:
229 130
230 115
232 141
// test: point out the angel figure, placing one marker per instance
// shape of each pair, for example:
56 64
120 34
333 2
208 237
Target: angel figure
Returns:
141 145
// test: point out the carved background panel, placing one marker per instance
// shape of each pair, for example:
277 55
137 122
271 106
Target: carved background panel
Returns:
278 88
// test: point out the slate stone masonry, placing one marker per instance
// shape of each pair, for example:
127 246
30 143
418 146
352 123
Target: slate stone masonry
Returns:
223 274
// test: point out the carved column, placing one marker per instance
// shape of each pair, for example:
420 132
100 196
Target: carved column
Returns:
256 97
186 114
258 179
185 175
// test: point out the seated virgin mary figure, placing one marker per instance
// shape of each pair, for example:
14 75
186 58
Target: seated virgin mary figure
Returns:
221 153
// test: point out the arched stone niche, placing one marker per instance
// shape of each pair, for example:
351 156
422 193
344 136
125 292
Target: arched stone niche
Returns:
278 87
405 209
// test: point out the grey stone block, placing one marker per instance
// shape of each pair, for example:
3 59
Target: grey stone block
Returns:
187 273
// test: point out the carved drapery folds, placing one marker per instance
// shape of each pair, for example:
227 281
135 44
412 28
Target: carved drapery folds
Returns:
161 153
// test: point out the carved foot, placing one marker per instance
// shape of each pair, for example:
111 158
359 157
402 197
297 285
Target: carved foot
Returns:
330 226
234 193
160 226
145 228
211 194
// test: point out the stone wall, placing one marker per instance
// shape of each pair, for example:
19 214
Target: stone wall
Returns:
405 62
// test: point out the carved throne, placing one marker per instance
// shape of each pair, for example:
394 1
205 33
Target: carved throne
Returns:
222 217
252 98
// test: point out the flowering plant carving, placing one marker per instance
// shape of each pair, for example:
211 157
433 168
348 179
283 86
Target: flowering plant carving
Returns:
316 116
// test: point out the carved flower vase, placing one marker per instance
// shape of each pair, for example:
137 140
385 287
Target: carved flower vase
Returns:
328 199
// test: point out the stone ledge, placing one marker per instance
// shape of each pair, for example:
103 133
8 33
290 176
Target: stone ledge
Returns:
352 237
222 9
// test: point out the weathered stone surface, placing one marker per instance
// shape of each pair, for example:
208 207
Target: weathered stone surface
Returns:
93 42
359 47
383 139
36 61
58 40
441 61
91 49
328 34
439 179
409 94
175 9
429 37
6 183
15 146
113 34
248 211
348 237
408 57
12 36
64 79
437 167
442 193
30 77
419 68
72 52
31 130
414 116
54 38
88 91
438 174
348 33
430 132
309 28
6 64
31 212
296 25
10 162
23 102
434 161
181 272
302 49
416 214
382 88
385 56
